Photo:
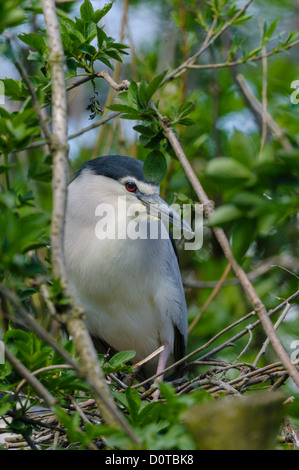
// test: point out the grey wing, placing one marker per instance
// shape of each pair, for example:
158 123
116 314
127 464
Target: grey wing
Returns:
181 321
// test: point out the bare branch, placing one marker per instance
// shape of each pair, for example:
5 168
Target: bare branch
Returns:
59 140
266 342
90 368
262 268
218 335
211 297
35 103
106 119
104 74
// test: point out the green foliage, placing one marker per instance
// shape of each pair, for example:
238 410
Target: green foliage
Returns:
155 166
158 424
136 104
11 14
22 229
35 354
17 129
36 41
77 37
118 363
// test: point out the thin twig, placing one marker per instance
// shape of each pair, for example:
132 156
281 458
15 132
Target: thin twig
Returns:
90 369
108 118
217 336
39 371
261 269
235 63
35 103
248 328
210 299
266 342
239 335
210 39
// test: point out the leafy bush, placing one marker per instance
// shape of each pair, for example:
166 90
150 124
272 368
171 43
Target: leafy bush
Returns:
244 151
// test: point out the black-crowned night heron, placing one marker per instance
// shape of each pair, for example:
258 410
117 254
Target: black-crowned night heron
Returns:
129 287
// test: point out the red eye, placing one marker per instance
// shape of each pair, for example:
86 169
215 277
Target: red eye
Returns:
131 186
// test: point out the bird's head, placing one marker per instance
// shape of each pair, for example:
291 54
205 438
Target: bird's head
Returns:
108 178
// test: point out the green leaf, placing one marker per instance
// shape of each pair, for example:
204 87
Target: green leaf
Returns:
186 122
144 130
70 422
34 40
87 49
167 391
242 149
154 85
134 402
142 95
99 14
246 200
5 405
269 31
87 29
11 14
123 109
15 89
155 166
40 172
243 234
185 109
290 158
132 94
223 215
242 19
87 11
118 363
224 168
121 358
254 52
101 35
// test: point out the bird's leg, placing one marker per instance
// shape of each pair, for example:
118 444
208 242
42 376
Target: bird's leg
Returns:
163 358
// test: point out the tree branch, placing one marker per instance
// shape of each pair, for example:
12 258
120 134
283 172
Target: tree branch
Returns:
234 63
90 369
218 335
210 298
277 131
210 39
224 243
35 103
59 140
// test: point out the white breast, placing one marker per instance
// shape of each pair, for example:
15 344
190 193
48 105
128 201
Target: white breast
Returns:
129 294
